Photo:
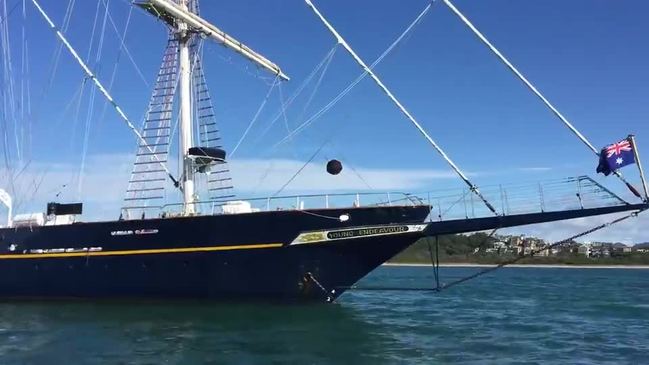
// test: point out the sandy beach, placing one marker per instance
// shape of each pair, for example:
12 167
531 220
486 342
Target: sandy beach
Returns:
552 266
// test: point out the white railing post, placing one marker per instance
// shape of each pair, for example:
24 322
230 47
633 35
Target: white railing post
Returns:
581 203
542 198
472 207
327 201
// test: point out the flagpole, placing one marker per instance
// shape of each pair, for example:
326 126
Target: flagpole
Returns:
636 154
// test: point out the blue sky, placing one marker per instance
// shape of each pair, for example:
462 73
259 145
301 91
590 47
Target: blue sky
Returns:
589 57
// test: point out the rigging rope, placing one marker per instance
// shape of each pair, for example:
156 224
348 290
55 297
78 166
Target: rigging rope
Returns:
530 86
122 40
319 82
67 17
439 288
11 10
354 170
280 94
26 78
360 77
91 102
8 111
53 68
300 169
122 46
534 252
325 61
400 106
83 89
9 97
101 88
434 260
254 119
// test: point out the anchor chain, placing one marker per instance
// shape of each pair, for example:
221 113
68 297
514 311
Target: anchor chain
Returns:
434 260
310 276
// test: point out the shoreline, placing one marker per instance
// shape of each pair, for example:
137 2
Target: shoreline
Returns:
546 266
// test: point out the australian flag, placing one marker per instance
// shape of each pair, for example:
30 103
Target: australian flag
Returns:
615 156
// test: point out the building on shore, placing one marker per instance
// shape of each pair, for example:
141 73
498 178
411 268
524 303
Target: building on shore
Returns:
620 248
585 249
641 247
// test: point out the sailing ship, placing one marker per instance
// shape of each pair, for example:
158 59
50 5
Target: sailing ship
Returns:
222 248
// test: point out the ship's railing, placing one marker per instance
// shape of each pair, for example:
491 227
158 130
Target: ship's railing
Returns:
522 198
570 193
296 202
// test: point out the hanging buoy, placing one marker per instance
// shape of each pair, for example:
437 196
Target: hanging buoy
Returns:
334 167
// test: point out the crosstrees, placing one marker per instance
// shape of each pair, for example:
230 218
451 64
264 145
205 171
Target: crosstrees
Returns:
174 13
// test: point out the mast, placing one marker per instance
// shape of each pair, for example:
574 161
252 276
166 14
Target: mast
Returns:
185 23
186 123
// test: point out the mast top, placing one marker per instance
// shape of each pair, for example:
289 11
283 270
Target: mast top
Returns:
172 13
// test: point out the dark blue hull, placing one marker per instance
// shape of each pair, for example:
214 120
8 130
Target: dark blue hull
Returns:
282 255
286 273
224 257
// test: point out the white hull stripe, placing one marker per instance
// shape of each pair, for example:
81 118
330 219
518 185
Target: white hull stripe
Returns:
351 233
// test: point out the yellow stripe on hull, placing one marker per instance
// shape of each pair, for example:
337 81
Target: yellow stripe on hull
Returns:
140 252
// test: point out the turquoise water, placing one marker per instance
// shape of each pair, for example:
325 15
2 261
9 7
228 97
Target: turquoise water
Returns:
515 315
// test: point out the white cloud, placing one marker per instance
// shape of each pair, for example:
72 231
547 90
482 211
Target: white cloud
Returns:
106 178
534 169
102 189
254 175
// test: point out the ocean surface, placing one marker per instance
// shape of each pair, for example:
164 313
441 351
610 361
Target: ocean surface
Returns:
515 315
